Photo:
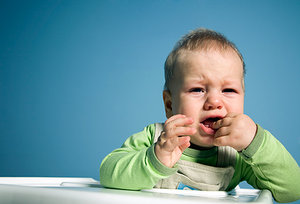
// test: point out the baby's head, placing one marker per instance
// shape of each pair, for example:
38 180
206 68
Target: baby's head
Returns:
198 40
204 79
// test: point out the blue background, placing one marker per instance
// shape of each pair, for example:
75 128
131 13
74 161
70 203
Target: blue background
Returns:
78 77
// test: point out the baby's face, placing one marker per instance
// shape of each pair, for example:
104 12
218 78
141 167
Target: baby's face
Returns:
207 85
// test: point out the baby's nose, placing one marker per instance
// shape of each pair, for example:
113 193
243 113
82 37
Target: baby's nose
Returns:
213 101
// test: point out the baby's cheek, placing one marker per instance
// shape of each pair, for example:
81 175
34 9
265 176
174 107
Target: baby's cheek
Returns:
235 107
187 108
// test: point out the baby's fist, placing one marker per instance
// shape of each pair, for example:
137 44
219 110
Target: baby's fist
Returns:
235 130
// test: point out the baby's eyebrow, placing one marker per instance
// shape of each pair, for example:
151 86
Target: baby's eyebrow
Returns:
204 81
233 81
195 82
196 79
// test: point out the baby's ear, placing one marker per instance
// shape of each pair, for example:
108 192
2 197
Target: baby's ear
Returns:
168 103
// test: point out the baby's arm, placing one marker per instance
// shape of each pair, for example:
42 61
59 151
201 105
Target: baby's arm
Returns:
273 167
134 166
174 140
270 166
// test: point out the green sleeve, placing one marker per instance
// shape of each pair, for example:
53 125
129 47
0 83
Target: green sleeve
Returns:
134 166
270 166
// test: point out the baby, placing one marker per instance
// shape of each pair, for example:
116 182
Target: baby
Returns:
207 142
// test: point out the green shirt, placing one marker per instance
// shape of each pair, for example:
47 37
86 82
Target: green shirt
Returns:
265 164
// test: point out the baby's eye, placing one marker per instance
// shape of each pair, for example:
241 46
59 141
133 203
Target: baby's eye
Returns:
229 90
197 90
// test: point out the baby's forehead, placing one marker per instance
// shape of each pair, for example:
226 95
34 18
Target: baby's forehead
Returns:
228 52
213 65
186 57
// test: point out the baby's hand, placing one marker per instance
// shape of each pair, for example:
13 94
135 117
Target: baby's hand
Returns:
174 139
235 130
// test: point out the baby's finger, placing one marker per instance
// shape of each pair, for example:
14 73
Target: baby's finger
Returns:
172 143
223 131
179 122
222 123
178 131
174 117
184 142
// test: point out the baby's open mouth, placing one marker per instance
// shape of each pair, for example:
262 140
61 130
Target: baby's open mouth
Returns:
207 125
210 121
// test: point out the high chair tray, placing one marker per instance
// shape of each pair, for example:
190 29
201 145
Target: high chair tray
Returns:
33 190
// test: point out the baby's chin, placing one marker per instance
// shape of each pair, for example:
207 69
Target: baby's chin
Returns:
206 141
